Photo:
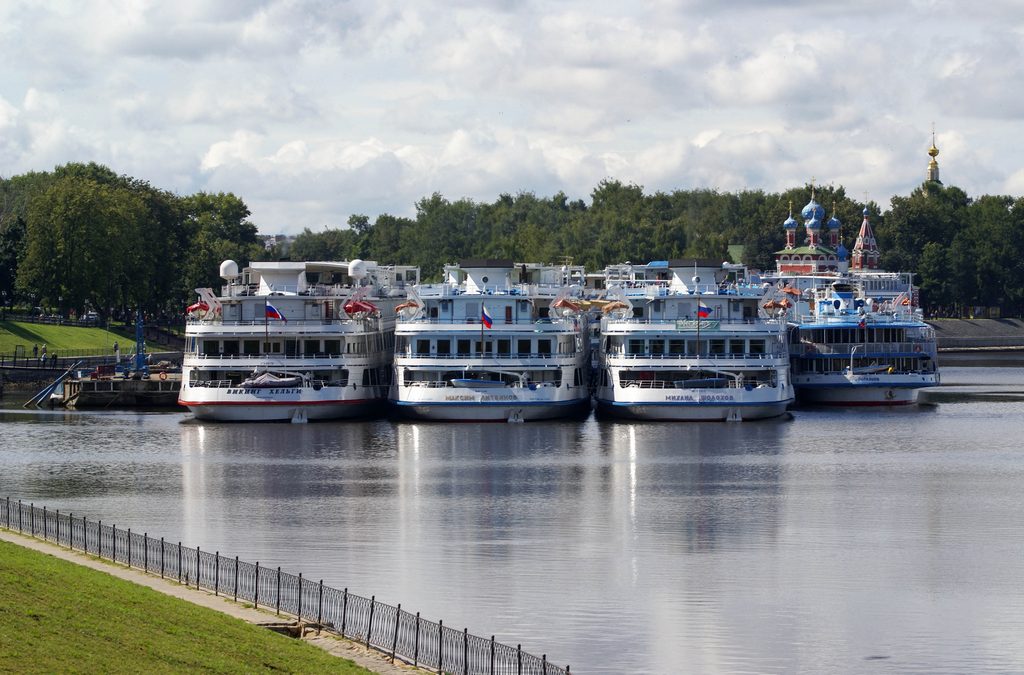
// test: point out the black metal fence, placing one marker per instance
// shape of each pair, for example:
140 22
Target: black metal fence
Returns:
388 629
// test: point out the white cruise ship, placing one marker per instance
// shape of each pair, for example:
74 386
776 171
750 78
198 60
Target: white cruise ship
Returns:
495 341
293 341
691 340
852 349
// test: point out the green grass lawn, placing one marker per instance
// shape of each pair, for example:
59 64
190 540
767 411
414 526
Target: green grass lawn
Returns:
58 617
79 341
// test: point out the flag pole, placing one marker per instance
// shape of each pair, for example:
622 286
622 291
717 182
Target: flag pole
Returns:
266 329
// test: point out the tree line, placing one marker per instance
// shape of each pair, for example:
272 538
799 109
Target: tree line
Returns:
83 237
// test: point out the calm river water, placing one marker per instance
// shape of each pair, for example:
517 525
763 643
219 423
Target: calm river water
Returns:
835 541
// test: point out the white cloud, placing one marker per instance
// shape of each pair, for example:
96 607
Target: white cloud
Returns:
311 111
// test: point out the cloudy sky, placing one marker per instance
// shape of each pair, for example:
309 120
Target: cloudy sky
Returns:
314 110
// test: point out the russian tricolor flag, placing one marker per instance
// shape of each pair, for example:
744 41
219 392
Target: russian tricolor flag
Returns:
485 318
272 313
703 311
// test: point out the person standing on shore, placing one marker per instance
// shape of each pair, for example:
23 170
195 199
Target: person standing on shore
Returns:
117 352
42 356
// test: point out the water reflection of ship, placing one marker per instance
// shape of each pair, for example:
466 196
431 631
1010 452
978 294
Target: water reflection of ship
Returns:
702 481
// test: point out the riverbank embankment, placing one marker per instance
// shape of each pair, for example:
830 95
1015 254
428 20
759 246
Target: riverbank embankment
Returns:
372 661
980 342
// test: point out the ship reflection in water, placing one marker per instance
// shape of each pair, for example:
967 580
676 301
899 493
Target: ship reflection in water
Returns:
830 542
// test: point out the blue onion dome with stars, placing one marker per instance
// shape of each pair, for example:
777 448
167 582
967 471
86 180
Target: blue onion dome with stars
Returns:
842 253
813 211
833 223
790 223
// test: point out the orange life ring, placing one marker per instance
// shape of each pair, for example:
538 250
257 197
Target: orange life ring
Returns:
163 375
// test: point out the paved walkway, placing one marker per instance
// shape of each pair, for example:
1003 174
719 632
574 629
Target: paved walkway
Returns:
370 659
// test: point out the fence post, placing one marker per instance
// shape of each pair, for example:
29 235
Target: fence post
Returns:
492 655
299 615
416 643
113 542
465 651
544 662
99 535
236 578
58 527
519 660
32 517
369 626
394 638
129 547
440 645
216 574
197 568
320 607
145 551
256 593
7 514
20 528
277 599
179 562
71 531
85 535
161 557
45 538
344 610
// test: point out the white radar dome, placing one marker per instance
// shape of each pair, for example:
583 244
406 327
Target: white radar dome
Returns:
357 269
228 269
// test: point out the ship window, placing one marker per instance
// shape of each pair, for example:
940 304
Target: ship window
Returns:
343 377
636 347
251 347
544 346
657 346
523 347
291 347
211 347
311 347
433 312
422 347
737 346
230 347
757 346
444 346
463 347
332 347
577 378
638 312
716 346
676 346
543 312
504 345
472 311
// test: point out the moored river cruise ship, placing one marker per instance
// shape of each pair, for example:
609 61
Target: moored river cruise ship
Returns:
495 341
690 340
293 341
850 349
